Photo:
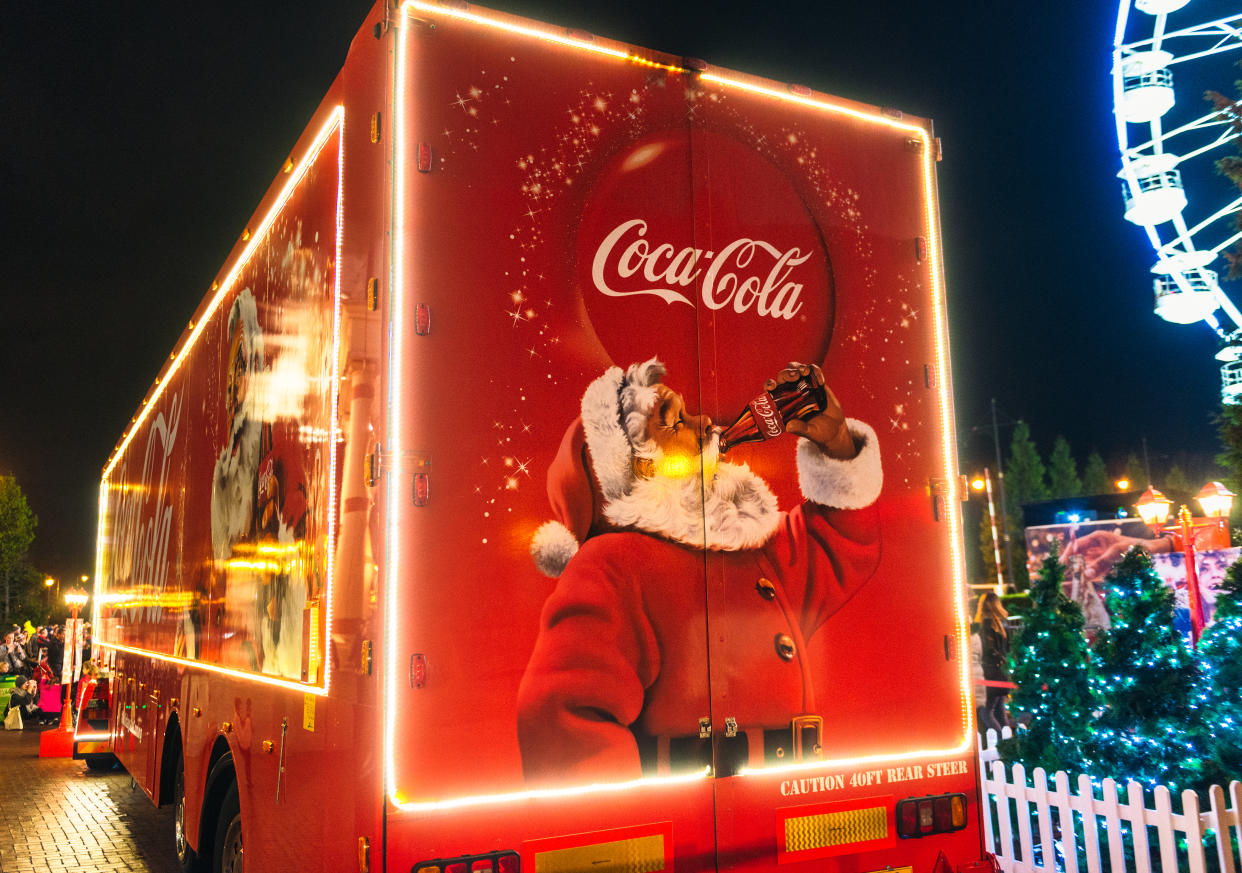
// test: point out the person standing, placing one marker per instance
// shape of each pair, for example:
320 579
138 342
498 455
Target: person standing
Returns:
992 620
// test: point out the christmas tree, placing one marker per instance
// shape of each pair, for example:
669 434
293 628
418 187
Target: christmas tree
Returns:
1150 729
1051 669
1220 655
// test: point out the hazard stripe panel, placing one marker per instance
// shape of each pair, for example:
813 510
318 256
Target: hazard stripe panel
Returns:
642 849
828 829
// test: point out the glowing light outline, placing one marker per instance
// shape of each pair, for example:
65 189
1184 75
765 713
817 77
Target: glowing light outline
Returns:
263 678
396 359
333 124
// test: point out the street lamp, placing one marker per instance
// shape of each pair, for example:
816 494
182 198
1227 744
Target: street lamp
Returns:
1122 484
76 598
1216 501
1153 507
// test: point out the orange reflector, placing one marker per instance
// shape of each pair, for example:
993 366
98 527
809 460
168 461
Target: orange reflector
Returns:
429 869
958 804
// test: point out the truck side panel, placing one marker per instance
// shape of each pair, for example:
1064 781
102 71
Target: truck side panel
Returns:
237 589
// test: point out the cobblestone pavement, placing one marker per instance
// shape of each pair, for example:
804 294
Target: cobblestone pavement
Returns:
55 815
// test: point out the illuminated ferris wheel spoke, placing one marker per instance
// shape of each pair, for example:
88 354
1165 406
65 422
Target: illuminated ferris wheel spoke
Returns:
1174 142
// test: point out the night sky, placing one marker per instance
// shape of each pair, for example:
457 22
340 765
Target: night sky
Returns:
137 138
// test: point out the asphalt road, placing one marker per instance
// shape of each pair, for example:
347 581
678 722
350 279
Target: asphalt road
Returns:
55 815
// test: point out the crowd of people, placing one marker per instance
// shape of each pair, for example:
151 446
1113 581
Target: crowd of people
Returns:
32 658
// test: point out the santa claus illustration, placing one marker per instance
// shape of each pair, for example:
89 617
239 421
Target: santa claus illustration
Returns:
671 563
258 509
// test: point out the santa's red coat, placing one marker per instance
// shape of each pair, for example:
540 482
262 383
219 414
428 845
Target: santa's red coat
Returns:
637 622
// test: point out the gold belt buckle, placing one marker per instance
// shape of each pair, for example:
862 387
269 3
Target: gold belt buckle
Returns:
804 728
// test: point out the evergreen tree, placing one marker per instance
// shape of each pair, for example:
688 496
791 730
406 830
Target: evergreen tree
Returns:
1175 481
1025 477
1136 472
1229 429
1024 483
1150 728
1052 671
1220 655
1095 475
1063 478
17 527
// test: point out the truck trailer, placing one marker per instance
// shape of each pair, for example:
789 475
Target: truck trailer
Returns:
558 475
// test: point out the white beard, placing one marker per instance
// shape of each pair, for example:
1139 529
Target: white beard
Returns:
232 489
283 657
739 508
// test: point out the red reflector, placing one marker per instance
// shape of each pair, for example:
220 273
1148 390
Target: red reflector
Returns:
908 822
507 864
483 865
422 494
422 319
942 814
458 867
424 158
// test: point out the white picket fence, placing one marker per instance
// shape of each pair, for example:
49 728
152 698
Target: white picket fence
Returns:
1058 828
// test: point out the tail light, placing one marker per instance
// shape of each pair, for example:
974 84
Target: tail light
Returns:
924 816
490 862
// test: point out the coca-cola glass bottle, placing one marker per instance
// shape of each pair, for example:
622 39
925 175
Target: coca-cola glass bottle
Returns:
766 415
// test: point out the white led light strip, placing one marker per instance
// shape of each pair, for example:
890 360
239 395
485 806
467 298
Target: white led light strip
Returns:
333 124
393 606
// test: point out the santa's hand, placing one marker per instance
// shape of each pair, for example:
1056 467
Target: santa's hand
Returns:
827 429
1101 549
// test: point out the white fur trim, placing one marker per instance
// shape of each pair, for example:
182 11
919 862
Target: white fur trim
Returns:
610 399
850 484
552 546
740 509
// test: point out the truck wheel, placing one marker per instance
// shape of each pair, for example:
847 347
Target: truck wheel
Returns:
227 857
187 859
100 763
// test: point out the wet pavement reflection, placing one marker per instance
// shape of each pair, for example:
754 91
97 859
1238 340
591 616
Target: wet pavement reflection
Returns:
55 815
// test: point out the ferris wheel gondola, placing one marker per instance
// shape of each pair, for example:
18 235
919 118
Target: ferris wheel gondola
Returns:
1161 133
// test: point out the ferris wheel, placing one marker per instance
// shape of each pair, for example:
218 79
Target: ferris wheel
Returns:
1168 135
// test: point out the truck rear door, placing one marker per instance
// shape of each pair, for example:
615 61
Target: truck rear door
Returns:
604 656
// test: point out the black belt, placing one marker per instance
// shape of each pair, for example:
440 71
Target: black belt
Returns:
801 742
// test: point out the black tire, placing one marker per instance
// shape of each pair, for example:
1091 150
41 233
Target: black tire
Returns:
227 854
188 860
100 763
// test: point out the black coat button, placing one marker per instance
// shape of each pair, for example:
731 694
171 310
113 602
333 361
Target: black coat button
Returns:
766 589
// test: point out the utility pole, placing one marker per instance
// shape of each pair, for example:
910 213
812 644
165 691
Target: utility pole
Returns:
1000 479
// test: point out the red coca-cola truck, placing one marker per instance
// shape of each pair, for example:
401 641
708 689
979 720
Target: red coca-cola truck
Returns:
425 552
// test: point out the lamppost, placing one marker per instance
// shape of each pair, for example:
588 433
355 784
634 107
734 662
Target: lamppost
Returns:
59 743
984 483
1216 501
47 593
76 598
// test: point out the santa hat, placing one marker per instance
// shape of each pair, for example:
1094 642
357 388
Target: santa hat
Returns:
595 461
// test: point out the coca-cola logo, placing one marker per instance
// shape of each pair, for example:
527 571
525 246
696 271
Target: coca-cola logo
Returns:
748 274
695 248
766 416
